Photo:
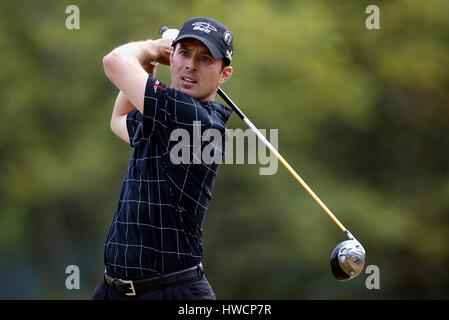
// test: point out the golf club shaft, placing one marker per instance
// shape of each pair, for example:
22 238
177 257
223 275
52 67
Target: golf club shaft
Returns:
278 156
284 162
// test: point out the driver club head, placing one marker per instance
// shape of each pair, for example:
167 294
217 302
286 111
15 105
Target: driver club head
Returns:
347 260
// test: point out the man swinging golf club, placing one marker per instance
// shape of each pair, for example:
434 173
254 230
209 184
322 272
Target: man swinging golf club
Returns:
154 246
347 259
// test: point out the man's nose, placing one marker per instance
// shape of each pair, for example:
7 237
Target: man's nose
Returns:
191 63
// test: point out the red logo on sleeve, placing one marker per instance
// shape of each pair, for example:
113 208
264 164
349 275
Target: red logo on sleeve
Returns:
157 86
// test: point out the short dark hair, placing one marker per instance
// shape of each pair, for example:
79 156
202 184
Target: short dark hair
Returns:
225 62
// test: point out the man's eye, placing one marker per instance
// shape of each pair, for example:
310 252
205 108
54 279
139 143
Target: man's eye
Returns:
205 59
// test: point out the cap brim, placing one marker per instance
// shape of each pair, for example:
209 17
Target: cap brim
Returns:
215 52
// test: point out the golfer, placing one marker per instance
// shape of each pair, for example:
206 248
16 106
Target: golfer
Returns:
154 247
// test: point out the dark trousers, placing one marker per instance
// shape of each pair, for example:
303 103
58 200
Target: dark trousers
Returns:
192 290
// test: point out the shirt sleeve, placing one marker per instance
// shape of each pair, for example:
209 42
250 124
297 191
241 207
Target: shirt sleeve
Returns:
155 112
166 109
133 121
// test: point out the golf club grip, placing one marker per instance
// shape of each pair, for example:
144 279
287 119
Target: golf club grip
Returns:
162 30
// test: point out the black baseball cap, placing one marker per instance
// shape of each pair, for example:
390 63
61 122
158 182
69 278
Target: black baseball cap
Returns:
212 33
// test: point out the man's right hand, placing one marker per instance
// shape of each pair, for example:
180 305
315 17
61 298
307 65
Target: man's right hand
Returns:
164 50
124 66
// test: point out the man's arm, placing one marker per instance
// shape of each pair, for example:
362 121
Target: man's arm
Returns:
123 106
118 120
124 66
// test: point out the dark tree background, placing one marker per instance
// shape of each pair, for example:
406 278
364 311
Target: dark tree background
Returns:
363 115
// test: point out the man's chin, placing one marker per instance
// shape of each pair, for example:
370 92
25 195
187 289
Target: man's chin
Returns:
189 92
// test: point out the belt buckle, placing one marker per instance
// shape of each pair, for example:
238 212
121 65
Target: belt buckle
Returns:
131 287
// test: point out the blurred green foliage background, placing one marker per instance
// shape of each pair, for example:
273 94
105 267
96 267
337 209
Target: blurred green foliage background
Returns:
363 115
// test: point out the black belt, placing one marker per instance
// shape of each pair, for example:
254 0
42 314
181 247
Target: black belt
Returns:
133 287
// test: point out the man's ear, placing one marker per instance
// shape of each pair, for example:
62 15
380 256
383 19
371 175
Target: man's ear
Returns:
226 74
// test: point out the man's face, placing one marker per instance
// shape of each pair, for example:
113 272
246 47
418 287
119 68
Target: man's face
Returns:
195 72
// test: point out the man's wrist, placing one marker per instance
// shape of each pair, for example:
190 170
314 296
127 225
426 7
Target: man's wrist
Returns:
152 52
148 54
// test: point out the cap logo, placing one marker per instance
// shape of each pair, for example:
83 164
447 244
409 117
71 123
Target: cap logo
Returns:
203 26
227 38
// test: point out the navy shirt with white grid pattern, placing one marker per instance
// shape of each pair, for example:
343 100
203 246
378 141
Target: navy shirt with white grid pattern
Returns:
157 227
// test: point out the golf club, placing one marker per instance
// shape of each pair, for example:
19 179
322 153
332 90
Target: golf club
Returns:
348 257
